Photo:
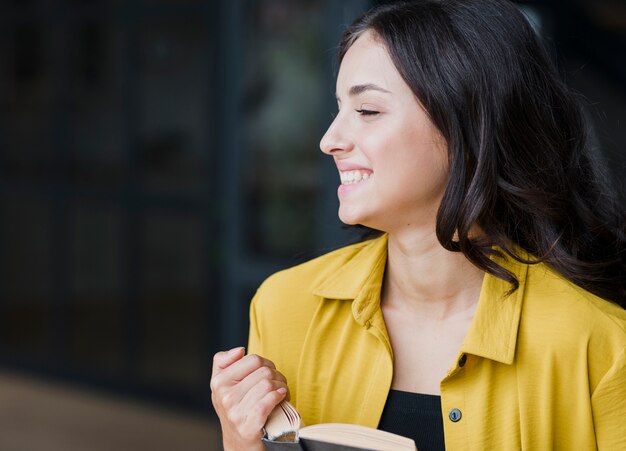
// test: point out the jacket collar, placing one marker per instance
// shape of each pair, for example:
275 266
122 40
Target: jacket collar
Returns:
359 280
493 331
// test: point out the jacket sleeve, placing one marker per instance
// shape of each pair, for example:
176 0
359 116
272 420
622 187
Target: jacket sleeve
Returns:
609 407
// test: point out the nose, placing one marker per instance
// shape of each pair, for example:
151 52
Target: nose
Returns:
336 139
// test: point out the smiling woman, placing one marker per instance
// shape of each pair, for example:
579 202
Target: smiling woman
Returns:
487 314
382 130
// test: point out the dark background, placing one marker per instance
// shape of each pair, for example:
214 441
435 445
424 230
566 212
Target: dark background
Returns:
159 158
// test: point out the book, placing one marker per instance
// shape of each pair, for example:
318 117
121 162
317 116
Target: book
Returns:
284 430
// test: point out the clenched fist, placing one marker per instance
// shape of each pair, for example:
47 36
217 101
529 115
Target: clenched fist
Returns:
244 390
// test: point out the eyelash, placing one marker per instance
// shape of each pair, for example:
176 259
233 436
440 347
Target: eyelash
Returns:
367 112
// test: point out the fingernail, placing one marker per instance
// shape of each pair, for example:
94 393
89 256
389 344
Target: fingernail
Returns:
235 350
281 390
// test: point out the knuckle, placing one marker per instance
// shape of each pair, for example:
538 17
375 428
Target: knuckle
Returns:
266 385
214 384
217 357
265 372
255 359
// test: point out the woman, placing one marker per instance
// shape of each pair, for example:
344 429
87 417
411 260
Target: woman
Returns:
485 314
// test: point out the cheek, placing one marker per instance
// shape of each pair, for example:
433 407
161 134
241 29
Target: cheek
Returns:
405 154
416 169
429 148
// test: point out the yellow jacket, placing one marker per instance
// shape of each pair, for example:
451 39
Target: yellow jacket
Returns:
544 368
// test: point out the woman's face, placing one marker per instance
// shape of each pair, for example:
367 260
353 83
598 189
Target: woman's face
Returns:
392 161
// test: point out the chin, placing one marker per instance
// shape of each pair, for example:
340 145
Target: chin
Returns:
351 216
347 218
352 219
347 221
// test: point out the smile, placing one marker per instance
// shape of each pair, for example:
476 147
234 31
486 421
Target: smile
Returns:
351 177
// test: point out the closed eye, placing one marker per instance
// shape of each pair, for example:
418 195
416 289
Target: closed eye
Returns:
367 112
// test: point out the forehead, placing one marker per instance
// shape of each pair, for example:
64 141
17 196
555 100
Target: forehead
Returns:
367 61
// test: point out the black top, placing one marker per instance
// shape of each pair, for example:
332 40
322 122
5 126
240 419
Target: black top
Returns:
416 416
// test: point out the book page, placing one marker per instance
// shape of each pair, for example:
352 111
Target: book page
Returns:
283 423
357 436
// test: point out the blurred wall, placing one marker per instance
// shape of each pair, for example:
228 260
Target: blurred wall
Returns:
159 158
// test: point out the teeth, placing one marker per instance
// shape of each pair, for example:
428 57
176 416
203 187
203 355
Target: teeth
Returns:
349 177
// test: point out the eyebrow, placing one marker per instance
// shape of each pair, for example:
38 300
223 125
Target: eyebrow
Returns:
359 89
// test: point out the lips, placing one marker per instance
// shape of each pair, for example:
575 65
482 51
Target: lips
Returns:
345 166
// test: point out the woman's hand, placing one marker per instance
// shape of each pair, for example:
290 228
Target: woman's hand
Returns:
244 390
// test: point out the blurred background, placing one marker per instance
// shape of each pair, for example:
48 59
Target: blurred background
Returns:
159 159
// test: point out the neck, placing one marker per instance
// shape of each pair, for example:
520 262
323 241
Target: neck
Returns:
421 276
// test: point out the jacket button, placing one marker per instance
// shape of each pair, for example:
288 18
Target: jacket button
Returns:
462 360
368 324
454 415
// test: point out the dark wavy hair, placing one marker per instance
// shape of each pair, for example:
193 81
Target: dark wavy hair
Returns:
520 165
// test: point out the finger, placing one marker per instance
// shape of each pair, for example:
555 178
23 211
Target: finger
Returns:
263 374
258 413
259 391
241 369
224 359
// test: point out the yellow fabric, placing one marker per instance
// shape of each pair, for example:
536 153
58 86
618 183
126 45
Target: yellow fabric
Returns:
545 368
